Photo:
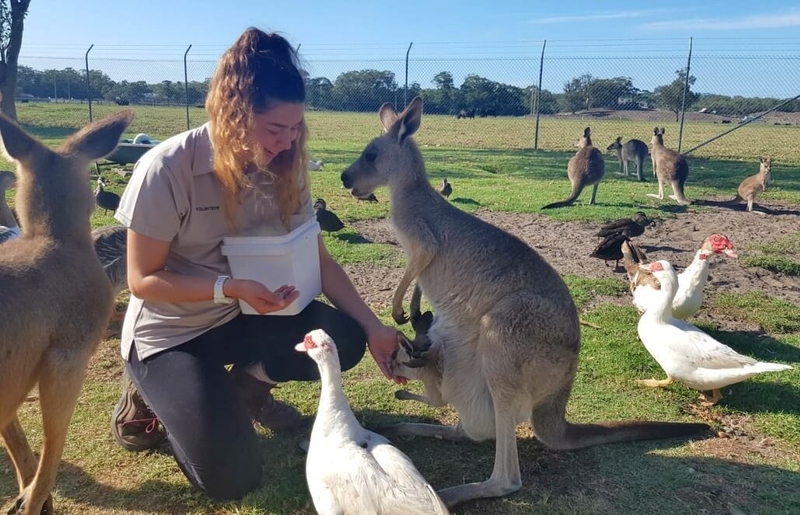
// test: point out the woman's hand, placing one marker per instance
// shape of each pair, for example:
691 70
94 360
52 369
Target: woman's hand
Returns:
258 296
382 343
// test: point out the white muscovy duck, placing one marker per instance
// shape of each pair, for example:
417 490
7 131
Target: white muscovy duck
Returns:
691 281
349 469
9 227
687 354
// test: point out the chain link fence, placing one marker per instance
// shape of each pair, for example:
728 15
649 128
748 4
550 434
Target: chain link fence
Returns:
533 95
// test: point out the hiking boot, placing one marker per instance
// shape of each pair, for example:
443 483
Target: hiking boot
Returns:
264 409
133 424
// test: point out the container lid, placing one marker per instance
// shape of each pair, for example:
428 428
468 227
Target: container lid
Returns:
311 225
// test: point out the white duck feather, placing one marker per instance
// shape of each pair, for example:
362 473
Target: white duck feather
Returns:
349 469
691 282
686 353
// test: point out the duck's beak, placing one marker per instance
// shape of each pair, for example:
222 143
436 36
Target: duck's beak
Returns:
731 253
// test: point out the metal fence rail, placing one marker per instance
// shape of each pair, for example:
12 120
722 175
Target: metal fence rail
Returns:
537 94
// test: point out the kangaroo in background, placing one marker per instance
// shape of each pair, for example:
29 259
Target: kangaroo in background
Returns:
751 186
55 298
505 326
585 168
668 167
633 150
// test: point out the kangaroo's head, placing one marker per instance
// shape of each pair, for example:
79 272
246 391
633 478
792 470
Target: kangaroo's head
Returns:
414 354
766 165
54 195
617 145
389 155
586 139
658 136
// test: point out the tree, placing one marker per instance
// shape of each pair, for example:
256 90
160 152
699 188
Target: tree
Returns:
364 90
671 96
578 93
444 81
12 17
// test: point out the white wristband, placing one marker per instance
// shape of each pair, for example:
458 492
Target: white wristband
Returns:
219 296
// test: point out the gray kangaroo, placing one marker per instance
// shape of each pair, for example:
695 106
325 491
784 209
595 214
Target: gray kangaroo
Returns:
585 168
751 186
668 167
505 326
633 150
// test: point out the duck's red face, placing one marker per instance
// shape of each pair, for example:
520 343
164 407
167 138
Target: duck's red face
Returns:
655 266
720 244
316 339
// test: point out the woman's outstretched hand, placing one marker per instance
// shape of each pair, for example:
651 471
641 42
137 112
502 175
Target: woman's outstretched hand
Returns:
259 297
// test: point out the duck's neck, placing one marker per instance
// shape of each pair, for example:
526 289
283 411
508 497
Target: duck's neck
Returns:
333 403
660 311
697 272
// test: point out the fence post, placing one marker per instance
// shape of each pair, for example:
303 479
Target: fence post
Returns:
88 83
186 85
685 90
405 90
297 50
538 98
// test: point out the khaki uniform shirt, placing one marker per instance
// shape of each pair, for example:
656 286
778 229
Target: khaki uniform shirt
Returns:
174 196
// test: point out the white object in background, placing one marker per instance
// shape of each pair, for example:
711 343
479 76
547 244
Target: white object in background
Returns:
291 259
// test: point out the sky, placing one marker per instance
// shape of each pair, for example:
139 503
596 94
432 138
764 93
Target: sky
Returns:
736 45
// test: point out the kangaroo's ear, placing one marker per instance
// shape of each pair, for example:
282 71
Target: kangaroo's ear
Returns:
587 132
387 115
655 131
410 119
663 130
17 144
405 343
619 139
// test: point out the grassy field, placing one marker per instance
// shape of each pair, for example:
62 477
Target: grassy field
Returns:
756 472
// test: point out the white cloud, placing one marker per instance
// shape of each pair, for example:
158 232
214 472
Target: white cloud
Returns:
758 21
596 16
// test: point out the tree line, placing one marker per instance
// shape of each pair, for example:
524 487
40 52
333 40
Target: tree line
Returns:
366 90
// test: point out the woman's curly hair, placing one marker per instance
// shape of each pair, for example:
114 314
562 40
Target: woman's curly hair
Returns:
254 74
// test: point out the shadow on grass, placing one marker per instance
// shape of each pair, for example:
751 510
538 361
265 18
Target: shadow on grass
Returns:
352 238
466 201
150 496
742 206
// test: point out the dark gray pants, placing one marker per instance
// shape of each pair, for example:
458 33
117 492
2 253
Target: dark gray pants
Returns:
194 397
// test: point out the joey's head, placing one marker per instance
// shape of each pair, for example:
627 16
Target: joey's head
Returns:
393 153
718 244
766 165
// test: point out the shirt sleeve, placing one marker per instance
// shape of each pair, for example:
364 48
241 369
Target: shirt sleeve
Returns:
154 202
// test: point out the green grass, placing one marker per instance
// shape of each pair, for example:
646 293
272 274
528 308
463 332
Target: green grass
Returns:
777 264
708 475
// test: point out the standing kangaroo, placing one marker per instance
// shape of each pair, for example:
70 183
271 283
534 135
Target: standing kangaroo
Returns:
55 298
633 150
668 167
585 168
505 326
755 184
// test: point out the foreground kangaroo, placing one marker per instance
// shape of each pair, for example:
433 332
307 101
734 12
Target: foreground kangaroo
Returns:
755 184
668 167
55 299
585 168
633 150
505 328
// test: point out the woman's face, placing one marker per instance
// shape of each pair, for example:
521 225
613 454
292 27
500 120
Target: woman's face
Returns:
278 127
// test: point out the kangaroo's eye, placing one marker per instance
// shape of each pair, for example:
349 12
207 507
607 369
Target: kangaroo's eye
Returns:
370 156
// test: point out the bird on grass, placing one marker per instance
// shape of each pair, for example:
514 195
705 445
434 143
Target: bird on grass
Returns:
369 198
328 221
446 189
106 200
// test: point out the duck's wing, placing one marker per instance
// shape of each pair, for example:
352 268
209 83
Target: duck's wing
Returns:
610 247
9 233
703 351
614 227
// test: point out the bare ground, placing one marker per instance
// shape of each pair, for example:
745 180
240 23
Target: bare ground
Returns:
567 245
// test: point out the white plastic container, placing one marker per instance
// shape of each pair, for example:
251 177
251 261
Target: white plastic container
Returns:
291 259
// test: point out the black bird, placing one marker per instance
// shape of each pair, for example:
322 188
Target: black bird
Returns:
610 249
446 189
107 200
369 198
630 227
328 221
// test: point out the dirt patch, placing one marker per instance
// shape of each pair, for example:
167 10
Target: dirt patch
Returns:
567 245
